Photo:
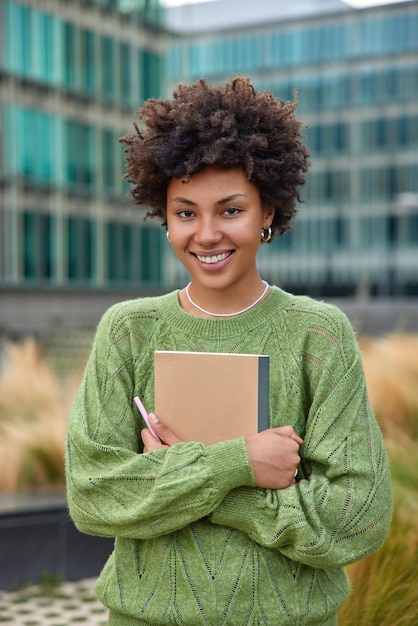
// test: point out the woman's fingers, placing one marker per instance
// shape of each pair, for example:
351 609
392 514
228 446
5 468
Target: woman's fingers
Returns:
274 456
167 437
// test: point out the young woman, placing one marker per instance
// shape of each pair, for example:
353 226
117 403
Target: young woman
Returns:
246 531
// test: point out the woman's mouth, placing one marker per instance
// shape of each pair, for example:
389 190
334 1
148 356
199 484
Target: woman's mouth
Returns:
214 258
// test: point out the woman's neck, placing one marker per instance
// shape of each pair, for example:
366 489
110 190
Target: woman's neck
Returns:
222 304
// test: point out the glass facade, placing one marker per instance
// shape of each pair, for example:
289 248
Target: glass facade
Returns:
355 75
72 78
71 83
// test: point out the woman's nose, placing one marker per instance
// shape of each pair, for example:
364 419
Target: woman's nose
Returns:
207 232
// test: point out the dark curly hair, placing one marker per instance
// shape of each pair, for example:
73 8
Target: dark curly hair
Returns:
230 125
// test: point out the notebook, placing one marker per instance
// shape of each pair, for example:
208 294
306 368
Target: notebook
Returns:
211 397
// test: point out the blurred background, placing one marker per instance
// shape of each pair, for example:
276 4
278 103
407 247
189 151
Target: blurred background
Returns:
72 75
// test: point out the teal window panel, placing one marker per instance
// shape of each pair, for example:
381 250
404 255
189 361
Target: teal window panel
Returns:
391 35
30 43
38 245
14 48
253 54
175 62
283 243
26 129
79 154
26 41
11 147
409 83
151 64
288 43
30 246
42 53
276 49
412 227
125 73
335 42
386 183
48 54
395 34
328 187
19 38
107 62
89 66
411 179
44 138
151 254
342 137
120 252
340 235
372 232
328 139
69 56
133 253
109 158
403 133
80 249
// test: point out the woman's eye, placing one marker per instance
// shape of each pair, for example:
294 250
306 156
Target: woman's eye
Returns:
186 213
232 210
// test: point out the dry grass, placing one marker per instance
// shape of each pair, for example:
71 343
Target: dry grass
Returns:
391 369
385 584
34 407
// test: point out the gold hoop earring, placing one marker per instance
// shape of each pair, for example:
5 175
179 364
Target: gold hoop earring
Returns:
266 235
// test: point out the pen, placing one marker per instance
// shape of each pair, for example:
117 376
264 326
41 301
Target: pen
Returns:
146 418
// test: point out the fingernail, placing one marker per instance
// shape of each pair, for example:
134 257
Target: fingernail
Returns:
154 418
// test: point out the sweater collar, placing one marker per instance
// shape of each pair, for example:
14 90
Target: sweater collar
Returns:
177 317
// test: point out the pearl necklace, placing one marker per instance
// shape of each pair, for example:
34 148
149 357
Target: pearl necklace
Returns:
247 308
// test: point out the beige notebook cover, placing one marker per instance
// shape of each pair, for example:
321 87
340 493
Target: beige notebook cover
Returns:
211 397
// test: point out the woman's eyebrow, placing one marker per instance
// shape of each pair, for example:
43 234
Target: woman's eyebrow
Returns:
233 196
225 200
183 201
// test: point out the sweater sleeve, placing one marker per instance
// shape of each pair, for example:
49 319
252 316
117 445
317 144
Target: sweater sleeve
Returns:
339 511
113 490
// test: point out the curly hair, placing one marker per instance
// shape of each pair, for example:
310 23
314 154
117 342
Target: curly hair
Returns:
231 125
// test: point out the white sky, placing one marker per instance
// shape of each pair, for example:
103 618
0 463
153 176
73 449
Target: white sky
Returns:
358 4
178 3
361 4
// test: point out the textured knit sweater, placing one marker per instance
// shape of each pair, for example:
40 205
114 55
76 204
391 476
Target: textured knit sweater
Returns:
197 543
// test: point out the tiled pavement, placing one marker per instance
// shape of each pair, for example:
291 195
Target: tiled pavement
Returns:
58 604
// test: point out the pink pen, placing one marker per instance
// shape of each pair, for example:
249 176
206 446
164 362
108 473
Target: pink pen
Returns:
146 418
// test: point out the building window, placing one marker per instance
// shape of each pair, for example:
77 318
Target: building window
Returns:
80 246
37 238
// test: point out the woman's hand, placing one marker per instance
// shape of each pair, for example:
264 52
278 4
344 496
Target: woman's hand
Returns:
274 456
168 438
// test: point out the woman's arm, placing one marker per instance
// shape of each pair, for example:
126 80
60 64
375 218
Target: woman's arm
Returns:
340 509
114 489
273 453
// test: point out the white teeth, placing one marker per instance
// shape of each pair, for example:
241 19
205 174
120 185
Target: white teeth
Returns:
213 259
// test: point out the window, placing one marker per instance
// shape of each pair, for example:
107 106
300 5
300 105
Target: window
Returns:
80 246
125 73
37 248
69 54
108 68
88 67
151 248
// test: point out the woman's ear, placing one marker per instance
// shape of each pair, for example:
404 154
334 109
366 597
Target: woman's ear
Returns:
268 217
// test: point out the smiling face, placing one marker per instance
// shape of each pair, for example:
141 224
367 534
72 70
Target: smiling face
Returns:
215 222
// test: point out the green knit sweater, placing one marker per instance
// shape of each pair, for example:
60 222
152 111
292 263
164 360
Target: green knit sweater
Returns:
197 543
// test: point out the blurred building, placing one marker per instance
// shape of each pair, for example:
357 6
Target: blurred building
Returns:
356 74
71 76
73 73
